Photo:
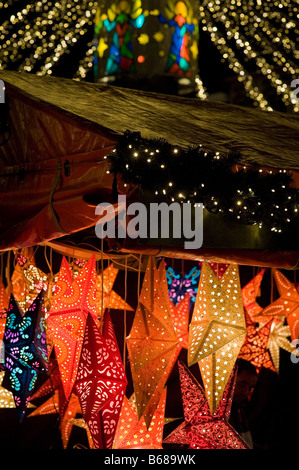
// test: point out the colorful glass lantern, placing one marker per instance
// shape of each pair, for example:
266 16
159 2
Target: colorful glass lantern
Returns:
146 38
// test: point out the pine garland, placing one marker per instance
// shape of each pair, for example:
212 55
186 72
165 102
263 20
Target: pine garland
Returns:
247 195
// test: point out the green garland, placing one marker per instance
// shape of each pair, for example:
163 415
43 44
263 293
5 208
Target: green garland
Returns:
249 195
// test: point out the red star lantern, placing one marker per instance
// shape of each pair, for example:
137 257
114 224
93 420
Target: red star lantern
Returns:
201 428
249 294
287 304
255 345
73 300
152 343
101 382
132 433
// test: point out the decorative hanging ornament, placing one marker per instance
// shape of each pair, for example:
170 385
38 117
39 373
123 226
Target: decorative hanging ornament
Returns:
249 294
132 433
152 342
180 319
254 349
278 338
179 285
147 39
106 296
25 350
287 304
101 382
217 329
73 300
202 429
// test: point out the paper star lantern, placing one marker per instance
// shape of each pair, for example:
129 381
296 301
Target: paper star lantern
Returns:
249 294
179 285
101 382
254 349
4 301
132 433
6 396
25 350
217 329
152 342
287 304
106 296
180 319
73 300
278 338
201 428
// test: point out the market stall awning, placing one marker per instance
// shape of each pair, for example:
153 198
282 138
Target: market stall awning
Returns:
53 167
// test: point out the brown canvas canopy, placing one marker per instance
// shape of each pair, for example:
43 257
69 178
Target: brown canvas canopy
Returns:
62 129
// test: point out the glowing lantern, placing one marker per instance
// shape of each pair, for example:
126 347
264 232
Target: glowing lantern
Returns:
217 329
152 342
106 296
101 382
132 433
72 301
249 294
254 349
287 304
201 428
25 350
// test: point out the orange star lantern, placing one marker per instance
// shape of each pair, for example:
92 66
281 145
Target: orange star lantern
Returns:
132 433
106 296
254 349
249 294
217 329
73 300
101 382
152 342
287 304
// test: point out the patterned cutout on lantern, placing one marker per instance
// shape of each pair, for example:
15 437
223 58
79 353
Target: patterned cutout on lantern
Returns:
179 285
101 382
201 428
132 433
121 18
73 300
152 342
25 350
254 349
287 304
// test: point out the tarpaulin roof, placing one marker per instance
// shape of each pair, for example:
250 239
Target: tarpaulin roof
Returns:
62 129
